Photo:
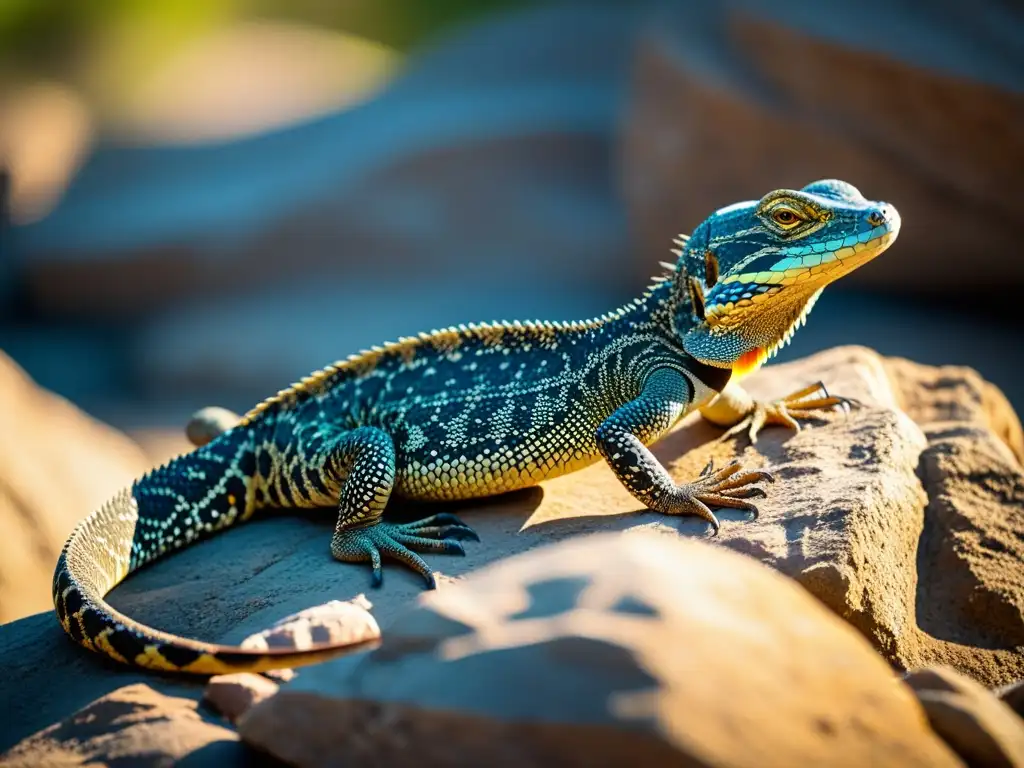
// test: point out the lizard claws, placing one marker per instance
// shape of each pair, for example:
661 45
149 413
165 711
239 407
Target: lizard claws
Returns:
401 541
727 487
786 411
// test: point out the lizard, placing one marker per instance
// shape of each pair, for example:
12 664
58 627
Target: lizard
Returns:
483 409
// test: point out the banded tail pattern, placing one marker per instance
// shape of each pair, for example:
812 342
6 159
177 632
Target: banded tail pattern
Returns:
187 499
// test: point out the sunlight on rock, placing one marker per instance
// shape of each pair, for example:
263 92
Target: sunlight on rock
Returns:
250 77
45 130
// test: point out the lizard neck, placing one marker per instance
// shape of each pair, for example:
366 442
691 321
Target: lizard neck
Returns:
656 310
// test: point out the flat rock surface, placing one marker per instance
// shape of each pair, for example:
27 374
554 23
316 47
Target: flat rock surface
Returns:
607 650
851 518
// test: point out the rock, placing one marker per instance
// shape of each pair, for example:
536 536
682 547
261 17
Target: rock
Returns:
233 695
666 649
858 518
56 465
864 507
977 726
252 345
337 623
733 99
209 422
1013 696
134 725
951 394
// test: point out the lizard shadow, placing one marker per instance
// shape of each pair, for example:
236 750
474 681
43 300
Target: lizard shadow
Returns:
684 451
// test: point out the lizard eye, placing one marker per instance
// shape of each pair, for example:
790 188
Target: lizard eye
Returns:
786 218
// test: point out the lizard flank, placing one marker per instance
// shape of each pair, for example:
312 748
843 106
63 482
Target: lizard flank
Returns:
477 410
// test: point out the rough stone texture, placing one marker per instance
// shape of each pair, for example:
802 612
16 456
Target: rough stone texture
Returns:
952 393
849 519
969 558
233 695
975 724
735 98
669 648
56 465
132 726
339 622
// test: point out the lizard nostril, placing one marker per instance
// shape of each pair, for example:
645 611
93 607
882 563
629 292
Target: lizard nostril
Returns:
876 218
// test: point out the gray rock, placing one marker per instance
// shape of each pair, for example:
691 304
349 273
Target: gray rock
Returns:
476 159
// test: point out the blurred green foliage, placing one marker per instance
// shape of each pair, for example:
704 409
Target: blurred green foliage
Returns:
49 38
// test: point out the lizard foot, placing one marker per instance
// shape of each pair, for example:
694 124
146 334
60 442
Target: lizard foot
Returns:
727 487
443 532
797 405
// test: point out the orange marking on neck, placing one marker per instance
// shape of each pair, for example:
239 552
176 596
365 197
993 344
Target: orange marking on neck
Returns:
749 362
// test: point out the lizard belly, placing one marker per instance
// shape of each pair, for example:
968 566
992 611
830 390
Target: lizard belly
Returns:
437 474
470 477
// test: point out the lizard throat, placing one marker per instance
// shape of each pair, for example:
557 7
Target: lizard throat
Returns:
751 360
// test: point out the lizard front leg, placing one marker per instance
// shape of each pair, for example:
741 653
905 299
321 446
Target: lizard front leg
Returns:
361 535
623 438
736 409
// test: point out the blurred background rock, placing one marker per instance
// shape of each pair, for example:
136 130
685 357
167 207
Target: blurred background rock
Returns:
209 199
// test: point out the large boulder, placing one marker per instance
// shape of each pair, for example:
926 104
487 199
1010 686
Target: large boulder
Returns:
608 650
903 517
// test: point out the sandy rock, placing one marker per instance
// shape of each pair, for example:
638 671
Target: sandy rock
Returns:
849 519
914 533
724 93
953 393
208 423
669 648
339 622
970 594
134 725
233 695
1012 695
976 724
56 465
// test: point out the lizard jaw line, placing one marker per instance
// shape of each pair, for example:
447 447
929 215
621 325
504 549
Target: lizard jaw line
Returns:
803 264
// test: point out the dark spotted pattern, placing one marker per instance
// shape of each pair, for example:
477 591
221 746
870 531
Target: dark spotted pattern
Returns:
471 411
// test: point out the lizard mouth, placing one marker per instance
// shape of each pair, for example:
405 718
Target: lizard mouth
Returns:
810 267
823 262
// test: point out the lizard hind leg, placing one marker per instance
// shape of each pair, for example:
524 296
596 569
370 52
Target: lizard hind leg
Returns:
361 534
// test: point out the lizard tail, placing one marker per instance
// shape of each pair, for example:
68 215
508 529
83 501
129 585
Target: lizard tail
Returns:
117 538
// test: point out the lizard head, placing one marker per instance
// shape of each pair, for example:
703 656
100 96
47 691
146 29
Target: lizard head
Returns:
749 274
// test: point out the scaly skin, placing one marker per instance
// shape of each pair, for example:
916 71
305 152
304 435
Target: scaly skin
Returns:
484 409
